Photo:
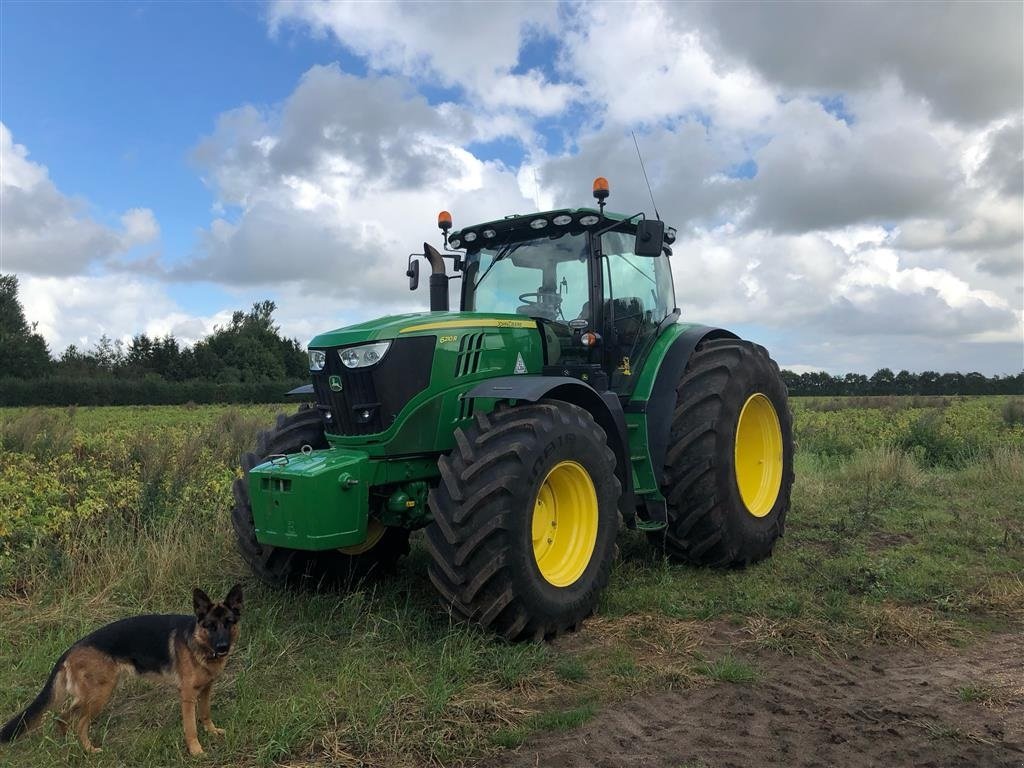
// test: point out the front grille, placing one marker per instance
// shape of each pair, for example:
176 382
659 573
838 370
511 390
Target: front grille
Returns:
382 389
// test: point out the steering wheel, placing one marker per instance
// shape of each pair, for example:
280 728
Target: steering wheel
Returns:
536 296
550 309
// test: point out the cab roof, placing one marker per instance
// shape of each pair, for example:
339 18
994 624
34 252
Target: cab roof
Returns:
536 225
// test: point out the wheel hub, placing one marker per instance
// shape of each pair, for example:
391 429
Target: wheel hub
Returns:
564 527
758 455
374 533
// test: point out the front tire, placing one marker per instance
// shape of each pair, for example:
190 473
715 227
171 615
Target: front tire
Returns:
280 566
729 465
525 520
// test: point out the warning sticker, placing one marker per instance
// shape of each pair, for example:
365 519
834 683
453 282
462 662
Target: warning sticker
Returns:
520 365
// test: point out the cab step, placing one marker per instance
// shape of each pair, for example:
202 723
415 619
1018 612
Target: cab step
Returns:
650 526
656 518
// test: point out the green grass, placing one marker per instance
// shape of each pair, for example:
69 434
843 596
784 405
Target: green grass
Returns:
969 693
901 532
571 670
728 669
556 720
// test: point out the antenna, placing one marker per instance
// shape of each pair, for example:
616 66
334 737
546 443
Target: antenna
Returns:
641 159
536 189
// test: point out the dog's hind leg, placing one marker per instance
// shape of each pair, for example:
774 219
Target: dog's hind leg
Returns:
204 711
92 678
62 700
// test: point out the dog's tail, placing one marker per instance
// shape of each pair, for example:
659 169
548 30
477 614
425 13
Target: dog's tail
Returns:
30 716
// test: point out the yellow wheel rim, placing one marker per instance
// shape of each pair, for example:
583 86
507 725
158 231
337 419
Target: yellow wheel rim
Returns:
758 455
374 533
565 523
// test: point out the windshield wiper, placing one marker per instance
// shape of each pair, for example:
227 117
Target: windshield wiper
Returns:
505 251
634 266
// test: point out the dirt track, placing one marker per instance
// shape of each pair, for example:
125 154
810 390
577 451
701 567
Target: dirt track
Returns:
884 707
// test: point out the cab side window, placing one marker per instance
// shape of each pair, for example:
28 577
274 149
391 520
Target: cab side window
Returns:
638 296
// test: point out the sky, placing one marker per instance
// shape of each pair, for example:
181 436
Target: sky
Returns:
847 180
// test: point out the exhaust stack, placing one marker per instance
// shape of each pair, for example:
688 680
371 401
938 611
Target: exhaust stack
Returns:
438 279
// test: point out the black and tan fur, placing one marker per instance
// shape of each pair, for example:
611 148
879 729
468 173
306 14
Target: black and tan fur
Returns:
189 651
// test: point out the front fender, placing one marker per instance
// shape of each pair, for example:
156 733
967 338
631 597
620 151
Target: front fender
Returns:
603 406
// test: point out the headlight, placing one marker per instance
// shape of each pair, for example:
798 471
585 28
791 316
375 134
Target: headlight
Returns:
364 355
317 359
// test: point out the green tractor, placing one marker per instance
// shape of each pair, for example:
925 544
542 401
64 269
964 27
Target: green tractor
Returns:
563 399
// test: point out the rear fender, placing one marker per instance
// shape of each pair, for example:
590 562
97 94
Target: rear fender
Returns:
659 406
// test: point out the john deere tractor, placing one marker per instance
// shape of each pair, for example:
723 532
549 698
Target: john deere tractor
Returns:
563 399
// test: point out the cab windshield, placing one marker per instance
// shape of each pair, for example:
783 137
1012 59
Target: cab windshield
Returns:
544 278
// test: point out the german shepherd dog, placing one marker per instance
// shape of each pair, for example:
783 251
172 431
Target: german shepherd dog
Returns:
189 651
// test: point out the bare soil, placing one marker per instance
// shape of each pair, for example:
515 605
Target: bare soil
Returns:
880 707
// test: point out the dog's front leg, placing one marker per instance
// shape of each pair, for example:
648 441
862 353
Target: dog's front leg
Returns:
204 711
188 720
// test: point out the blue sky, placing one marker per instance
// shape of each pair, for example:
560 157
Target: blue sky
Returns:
112 98
854 202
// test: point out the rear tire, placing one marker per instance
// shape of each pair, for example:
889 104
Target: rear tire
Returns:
727 505
280 566
525 520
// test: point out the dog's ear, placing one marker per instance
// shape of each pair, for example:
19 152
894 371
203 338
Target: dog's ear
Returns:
201 604
234 600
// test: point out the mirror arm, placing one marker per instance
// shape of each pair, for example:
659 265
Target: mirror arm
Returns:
614 224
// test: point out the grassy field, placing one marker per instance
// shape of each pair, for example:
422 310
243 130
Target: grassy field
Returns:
907 528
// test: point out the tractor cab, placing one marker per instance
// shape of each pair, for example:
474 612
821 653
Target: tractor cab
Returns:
598 284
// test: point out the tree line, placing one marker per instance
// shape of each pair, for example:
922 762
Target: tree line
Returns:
245 360
885 382
248 360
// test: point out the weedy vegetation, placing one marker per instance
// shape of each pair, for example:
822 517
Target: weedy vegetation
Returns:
907 529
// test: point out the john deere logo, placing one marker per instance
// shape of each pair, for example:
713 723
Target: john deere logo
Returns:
335 382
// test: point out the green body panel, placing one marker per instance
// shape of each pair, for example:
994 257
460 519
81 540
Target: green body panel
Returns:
471 348
322 500
312 500
391 468
645 480
646 376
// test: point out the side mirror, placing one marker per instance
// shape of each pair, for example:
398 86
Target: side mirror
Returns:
650 234
413 273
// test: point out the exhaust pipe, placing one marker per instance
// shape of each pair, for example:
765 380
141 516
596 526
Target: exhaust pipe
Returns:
438 279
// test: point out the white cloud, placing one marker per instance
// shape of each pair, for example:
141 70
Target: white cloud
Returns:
848 188
42 231
140 227
79 310
965 58
469 45
333 199
819 172
846 283
640 67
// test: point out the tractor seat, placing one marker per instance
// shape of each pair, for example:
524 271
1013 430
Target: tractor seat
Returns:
628 313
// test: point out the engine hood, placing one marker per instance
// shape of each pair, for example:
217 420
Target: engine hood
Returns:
417 324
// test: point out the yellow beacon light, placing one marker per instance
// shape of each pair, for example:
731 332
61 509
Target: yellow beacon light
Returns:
601 191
